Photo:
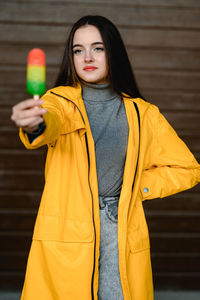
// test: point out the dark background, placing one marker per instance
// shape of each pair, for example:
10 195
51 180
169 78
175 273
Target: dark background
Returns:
163 43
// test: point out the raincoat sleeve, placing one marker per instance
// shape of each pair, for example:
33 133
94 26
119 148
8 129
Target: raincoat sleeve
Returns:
172 167
53 119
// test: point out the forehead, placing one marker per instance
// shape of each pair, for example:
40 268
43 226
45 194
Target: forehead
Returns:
87 35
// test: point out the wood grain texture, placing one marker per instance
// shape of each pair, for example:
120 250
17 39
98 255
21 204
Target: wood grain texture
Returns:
17 220
27 35
22 160
178 222
177 280
67 13
31 180
9 138
175 242
11 281
186 201
17 200
170 3
15 241
185 263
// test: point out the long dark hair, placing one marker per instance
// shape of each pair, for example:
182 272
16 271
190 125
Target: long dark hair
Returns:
120 73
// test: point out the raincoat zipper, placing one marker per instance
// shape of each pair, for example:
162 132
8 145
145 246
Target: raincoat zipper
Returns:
138 115
86 140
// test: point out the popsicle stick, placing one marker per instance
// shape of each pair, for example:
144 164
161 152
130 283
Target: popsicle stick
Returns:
36 97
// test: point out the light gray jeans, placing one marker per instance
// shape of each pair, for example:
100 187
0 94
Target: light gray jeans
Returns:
109 278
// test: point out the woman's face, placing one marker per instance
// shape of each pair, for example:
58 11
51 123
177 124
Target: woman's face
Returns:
89 55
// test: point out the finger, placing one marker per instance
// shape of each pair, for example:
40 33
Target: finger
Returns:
36 123
29 113
32 112
27 104
28 121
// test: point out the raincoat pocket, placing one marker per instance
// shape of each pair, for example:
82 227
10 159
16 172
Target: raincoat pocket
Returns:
139 265
52 228
138 240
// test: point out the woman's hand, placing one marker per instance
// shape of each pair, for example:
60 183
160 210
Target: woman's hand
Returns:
28 115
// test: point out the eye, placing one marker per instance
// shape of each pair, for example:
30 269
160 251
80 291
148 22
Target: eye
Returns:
77 51
99 49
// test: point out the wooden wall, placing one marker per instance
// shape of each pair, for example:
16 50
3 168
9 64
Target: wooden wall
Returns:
163 42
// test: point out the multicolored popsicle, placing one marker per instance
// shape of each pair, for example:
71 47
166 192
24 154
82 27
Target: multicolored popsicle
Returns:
36 73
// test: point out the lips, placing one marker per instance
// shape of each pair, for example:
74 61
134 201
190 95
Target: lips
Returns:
89 68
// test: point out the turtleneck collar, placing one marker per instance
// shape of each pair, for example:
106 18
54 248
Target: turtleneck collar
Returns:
97 92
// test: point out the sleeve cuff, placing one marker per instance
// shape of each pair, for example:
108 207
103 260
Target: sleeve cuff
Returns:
33 135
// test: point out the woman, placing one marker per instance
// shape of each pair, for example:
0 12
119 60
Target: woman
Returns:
108 150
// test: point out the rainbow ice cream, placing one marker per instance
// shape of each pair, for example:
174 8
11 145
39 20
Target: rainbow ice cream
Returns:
36 73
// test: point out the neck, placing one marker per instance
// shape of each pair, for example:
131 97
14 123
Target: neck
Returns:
95 85
97 92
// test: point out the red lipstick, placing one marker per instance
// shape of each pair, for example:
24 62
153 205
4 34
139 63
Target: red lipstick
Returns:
89 68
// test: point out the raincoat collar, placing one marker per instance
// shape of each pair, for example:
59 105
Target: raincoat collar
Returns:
74 93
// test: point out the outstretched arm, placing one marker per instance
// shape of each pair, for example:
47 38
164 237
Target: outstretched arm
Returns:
52 124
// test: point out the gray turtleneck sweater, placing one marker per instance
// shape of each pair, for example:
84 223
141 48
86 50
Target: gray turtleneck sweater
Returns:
109 126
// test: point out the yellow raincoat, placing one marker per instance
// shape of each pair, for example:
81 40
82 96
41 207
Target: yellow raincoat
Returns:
63 258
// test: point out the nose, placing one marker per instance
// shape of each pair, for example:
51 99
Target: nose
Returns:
88 56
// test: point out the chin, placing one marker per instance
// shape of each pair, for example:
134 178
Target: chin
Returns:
94 80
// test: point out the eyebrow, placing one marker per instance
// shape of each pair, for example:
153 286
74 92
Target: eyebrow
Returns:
79 45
